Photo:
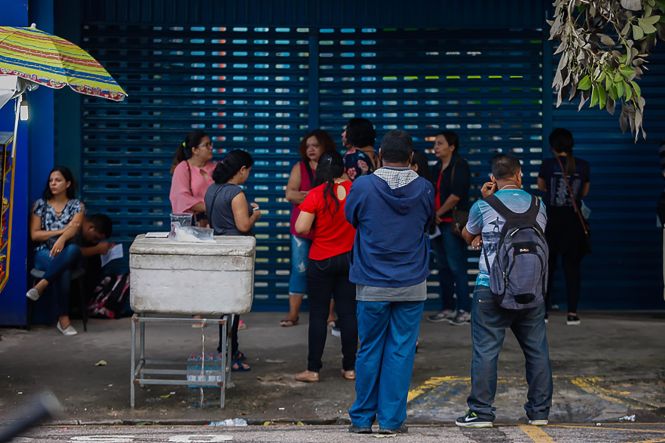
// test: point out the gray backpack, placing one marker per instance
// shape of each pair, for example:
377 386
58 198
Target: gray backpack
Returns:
518 276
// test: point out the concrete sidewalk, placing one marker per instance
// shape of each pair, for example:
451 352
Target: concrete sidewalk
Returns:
608 369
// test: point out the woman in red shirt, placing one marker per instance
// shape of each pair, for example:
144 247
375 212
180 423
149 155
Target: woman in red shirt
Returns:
329 261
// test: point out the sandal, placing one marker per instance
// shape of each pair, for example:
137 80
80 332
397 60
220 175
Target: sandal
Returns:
240 366
287 323
239 356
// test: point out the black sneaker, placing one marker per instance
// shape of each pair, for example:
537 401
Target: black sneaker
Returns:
573 320
401 430
471 420
359 430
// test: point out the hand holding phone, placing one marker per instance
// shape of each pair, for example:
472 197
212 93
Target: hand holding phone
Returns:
488 188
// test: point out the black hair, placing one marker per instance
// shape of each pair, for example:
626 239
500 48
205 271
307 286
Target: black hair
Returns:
396 147
230 165
184 150
505 166
451 138
102 224
360 133
67 174
561 140
330 167
420 160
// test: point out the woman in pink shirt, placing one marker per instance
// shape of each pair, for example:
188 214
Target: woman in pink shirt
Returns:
192 175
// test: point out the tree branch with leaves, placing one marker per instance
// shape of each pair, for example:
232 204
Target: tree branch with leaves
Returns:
603 47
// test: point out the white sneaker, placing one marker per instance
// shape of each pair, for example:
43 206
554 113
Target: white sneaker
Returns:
33 294
543 422
69 330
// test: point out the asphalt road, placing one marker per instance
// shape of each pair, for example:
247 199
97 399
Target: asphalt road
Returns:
633 432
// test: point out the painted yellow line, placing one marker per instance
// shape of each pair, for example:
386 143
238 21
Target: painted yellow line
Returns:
591 385
610 428
536 434
432 383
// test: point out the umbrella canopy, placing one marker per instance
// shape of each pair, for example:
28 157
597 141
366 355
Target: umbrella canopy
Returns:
54 62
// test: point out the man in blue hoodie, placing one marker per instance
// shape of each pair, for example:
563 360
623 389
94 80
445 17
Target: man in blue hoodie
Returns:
391 210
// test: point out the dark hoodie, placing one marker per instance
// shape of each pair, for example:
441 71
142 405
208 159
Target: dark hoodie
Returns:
391 210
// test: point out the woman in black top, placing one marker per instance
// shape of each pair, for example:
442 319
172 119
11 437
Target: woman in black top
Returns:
452 179
565 233
230 214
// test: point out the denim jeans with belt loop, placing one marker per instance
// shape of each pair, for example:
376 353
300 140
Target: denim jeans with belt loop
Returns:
488 329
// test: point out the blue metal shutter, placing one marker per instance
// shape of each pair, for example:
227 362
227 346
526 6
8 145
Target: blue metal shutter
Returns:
246 87
624 269
486 86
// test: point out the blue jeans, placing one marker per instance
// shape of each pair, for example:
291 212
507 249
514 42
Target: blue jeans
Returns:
388 332
299 253
450 253
488 329
58 273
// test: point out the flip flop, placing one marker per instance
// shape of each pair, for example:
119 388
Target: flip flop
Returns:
286 323
240 366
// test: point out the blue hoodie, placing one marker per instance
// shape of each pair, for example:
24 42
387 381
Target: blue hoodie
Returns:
391 211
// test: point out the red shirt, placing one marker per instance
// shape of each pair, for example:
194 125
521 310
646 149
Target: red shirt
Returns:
333 235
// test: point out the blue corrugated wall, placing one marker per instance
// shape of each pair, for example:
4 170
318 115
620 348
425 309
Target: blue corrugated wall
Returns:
257 74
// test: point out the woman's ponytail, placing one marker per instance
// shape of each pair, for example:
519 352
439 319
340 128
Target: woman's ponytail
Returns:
184 150
329 167
230 165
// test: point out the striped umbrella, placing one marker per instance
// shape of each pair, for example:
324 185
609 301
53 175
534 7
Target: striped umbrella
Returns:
54 62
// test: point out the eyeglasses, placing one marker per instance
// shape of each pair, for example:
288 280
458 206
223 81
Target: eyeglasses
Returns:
205 145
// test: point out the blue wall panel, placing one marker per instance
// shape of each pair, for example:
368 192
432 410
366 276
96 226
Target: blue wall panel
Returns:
12 298
184 69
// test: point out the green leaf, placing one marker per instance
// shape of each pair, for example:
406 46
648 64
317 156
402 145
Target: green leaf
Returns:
636 87
620 88
629 92
646 27
617 77
585 83
612 92
638 34
602 96
608 82
594 97
627 72
650 20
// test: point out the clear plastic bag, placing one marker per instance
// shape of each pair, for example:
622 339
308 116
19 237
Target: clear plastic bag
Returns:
193 234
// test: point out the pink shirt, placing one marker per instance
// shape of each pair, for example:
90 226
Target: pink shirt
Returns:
189 185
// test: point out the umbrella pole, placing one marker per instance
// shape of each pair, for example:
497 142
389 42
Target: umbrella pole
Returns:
17 110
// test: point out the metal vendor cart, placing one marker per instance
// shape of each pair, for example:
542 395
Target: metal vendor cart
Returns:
173 280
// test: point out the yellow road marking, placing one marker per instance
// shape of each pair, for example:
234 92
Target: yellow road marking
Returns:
536 434
591 385
432 383
610 428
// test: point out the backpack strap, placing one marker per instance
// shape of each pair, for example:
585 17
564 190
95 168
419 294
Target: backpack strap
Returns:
529 217
500 208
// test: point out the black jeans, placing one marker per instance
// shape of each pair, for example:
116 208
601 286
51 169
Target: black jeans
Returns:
326 278
565 238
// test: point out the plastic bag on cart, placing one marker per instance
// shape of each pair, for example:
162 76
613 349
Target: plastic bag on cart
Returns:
193 234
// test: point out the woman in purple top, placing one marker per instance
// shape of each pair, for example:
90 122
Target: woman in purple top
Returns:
312 146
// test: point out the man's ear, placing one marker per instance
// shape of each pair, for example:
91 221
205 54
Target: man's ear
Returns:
380 156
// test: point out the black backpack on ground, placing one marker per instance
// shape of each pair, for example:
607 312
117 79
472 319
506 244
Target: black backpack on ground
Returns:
518 276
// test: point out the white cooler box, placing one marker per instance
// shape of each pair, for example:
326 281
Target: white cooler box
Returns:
174 277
